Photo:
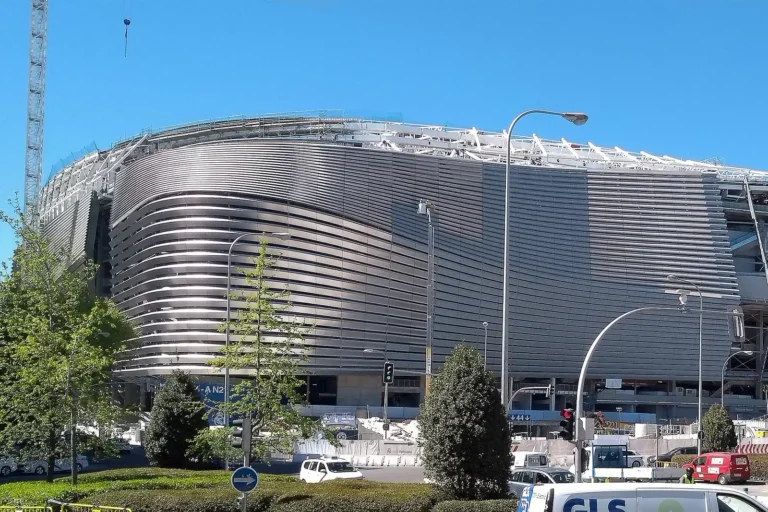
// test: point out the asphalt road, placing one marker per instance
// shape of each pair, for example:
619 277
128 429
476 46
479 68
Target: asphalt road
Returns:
394 474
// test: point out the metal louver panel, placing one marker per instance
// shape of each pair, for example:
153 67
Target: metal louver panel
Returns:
586 246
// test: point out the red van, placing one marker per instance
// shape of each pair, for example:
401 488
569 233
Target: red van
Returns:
720 467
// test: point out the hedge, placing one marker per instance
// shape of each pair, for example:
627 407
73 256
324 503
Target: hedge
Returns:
159 490
349 496
36 492
476 506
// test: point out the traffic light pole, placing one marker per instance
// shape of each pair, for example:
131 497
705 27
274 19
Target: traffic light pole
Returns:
386 400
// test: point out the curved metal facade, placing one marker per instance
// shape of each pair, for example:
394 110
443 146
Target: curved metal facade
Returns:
587 245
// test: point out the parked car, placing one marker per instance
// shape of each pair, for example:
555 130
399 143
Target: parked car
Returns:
523 478
7 466
123 447
40 467
634 459
667 457
721 467
323 469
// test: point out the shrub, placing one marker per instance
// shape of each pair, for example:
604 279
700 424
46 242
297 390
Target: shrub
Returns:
177 417
476 506
719 433
464 429
164 490
758 465
682 459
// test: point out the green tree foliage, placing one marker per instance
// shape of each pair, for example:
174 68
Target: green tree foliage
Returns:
267 349
719 433
213 446
57 347
178 416
465 434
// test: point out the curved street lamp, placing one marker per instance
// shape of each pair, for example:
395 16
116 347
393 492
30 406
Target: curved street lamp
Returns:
678 279
577 118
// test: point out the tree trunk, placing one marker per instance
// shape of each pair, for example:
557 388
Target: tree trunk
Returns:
51 455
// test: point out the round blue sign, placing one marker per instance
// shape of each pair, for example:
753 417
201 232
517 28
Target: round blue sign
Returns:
245 479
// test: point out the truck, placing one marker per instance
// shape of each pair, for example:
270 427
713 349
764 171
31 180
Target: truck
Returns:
608 459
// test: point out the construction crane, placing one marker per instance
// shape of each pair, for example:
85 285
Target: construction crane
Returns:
33 167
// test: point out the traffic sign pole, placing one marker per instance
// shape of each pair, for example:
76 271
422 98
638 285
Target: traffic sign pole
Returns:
244 479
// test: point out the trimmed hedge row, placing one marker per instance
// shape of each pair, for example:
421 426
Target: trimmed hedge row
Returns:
294 496
156 490
476 506
36 492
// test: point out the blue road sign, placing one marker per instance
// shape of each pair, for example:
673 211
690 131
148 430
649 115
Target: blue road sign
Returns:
245 479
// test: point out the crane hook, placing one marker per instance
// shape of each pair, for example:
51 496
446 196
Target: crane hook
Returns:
127 22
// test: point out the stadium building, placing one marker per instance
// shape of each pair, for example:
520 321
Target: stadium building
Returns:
594 232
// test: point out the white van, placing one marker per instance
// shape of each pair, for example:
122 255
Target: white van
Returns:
529 460
626 497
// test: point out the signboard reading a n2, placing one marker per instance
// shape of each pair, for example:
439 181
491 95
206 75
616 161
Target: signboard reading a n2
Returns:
245 479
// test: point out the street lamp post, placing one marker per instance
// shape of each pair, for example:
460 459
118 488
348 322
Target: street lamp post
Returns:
576 118
677 279
283 236
485 346
618 410
722 374
425 208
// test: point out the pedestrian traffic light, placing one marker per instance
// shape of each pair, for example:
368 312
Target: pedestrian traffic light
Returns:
241 435
567 423
389 373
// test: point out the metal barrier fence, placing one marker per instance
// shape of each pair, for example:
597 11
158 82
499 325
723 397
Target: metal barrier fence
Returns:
82 507
21 508
75 507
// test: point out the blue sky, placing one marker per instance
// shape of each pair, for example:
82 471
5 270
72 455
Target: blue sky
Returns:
685 78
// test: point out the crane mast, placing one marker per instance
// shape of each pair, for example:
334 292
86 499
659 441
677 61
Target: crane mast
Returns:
33 170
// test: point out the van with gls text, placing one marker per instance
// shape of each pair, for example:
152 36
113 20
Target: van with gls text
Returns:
628 497
723 468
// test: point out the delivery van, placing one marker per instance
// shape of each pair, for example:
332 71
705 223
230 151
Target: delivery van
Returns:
626 497
721 467
529 460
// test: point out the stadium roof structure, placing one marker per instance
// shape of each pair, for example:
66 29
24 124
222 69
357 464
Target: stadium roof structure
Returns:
95 170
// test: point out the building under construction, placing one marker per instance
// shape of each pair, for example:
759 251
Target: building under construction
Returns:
594 232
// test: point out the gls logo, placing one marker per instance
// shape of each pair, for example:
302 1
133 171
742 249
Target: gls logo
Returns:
572 504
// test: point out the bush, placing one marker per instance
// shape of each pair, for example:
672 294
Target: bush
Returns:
682 459
719 432
476 506
282 496
35 492
758 465
162 490
465 432
177 417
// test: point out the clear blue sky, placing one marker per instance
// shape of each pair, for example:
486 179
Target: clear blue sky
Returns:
685 78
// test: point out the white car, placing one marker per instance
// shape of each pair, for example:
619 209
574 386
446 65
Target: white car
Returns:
40 467
7 466
323 469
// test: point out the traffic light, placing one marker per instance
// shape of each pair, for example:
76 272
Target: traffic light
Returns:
567 423
241 435
389 373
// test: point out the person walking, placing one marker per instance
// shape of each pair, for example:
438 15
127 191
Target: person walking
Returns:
687 478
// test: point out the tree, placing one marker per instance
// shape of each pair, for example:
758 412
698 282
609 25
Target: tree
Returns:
178 416
57 347
719 432
465 434
268 348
